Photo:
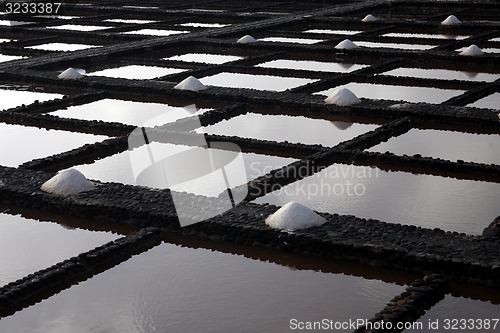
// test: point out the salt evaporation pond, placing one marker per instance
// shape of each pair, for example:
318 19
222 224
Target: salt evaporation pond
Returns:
178 289
154 32
453 146
287 128
489 102
433 36
129 112
395 45
12 98
204 58
204 25
29 245
332 31
22 141
61 47
290 40
5 58
78 27
461 308
391 92
249 81
396 197
137 72
445 74
119 168
129 21
319 66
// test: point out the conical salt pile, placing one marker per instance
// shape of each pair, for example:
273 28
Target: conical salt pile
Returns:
67 182
294 216
451 20
246 39
346 44
369 18
342 97
72 73
472 50
190 83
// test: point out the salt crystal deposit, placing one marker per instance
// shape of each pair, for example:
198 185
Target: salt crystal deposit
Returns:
190 83
472 50
451 20
369 18
342 97
346 44
246 39
67 182
341 125
72 73
294 216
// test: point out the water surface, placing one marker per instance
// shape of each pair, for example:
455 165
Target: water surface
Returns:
79 27
395 45
27 246
155 32
312 65
137 72
446 74
396 197
61 47
249 81
290 40
12 98
204 58
177 289
27 143
489 102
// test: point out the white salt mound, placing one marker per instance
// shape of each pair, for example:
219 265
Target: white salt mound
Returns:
451 20
294 216
342 97
246 39
67 182
190 83
472 50
369 18
341 125
346 44
72 73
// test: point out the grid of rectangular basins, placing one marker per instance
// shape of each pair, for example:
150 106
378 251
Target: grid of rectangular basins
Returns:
441 171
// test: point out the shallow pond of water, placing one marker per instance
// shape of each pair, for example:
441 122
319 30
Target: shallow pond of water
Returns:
137 72
27 246
12 98
489 102
287 128
396 197
127 166
395 45
433 36
129 112
61 47
319 66
249 81
479 148
333 32
454 308
129 21
5 58
177 289
290 40
391 92
27 143
204 25
204 58
3 40
79 27
155 32
445 74
13 23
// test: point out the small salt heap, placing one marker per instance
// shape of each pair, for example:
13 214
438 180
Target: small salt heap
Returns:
342 97
294 216
341 125
369 18
246 39
472 50
72 73
67 182
191 83
346 44
451 20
